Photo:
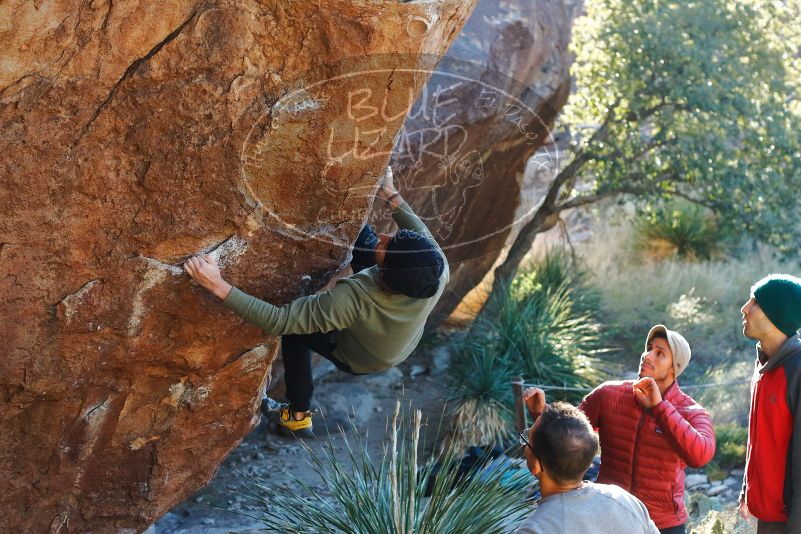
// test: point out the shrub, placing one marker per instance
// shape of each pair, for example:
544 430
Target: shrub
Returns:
392 495
700 299
544 325
730 451
543 328
556 270
480 383
679 229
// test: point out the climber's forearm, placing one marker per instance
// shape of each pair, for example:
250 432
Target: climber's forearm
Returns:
396 202
392 199
388 192
402 213
220 289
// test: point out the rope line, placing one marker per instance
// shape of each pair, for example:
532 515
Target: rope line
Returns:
587 390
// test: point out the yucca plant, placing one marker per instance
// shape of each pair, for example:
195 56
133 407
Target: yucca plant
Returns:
680 229
480 384
542 327
541 331
397 494
548 340
554 270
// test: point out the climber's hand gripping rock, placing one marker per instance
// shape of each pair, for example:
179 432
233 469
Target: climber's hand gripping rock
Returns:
206 271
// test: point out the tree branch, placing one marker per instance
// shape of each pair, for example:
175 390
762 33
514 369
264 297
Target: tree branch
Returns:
581 157
649 112
583 200
656 141
714 206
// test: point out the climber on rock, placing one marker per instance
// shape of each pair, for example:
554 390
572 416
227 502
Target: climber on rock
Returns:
368 322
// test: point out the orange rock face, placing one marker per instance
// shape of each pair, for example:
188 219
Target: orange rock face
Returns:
133 135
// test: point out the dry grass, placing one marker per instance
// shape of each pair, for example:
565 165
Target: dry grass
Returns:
711 517
476 421
701 298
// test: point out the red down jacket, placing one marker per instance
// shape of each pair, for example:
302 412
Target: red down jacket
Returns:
645 451
772 485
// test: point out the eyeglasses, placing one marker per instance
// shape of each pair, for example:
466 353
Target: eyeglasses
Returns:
523 440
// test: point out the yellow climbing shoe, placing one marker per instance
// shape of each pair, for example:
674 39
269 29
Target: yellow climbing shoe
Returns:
289 426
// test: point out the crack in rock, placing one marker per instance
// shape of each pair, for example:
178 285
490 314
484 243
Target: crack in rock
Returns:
251 359
226 253
71 302
131 70
90 414
93 417
161 266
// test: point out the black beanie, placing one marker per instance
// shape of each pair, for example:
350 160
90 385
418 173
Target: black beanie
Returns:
413 265
364 249
779 296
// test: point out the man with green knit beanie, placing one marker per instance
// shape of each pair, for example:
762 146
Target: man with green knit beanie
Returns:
779 296
772 482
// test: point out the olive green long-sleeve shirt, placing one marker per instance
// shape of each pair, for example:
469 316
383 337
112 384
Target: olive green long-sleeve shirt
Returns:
374 329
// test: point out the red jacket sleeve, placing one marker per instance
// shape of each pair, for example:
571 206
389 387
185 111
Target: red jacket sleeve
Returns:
591 406
693 438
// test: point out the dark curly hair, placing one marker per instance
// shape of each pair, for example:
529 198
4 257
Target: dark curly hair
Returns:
564 442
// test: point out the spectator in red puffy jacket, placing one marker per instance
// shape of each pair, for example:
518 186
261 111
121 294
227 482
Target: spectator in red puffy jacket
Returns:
649 429
772 482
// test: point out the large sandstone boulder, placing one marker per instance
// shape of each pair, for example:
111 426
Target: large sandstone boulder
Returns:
463 151
133 135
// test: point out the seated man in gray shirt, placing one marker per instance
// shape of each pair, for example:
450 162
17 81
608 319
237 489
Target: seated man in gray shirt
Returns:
559 449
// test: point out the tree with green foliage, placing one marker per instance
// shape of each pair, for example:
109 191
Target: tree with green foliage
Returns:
694 100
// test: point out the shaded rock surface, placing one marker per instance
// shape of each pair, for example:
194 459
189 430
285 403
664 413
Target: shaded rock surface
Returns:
463 150
134 135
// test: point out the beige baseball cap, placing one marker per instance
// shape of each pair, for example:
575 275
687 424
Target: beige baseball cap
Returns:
678 346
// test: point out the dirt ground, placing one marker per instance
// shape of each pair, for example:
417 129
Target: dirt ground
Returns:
368 401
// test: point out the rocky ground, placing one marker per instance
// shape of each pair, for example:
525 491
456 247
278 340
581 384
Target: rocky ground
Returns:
726 490
712 504
367 401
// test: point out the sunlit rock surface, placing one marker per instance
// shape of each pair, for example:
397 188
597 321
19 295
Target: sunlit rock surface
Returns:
132 135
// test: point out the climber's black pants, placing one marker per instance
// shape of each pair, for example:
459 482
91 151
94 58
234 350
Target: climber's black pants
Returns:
296 349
